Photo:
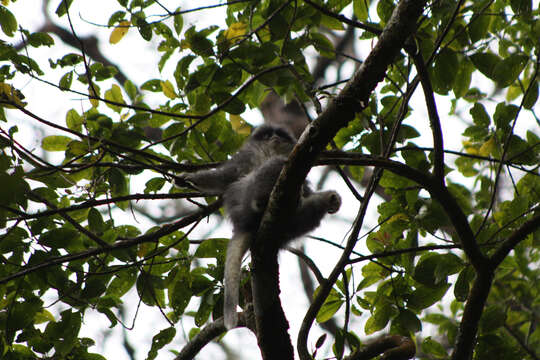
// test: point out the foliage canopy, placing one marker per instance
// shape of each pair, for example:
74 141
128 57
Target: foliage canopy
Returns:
457 245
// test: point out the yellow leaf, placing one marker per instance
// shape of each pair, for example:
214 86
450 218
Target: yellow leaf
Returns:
240 125
119 31
488 147
470 148
235 31
396 217
184 44
114 94
43 316
91 92
8 94
168 89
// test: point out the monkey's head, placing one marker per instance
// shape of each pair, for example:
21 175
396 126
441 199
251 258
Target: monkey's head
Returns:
276 139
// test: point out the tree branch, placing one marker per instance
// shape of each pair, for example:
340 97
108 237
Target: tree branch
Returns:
472 313
392 347
163 231
205 336
517 236
354 98
434 121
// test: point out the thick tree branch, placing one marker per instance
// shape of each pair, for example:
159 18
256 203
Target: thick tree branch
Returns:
354 98
392 347
272 326
205 336
515 238
472 313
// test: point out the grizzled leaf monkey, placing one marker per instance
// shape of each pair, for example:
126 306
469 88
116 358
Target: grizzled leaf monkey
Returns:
246 181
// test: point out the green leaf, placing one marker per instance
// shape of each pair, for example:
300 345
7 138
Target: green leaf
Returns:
122 282
486 63
131 89
463 197
55 143
65 81
331 305
493 318
60 238
94 287
22 313
339 344
179 291
150 289
323 45
463 284
13 239
198 43
432 347
40 38
66 331
361 9
178 22
62 9
478 29
153 85
508 70
408 320
154 185
463 77
385 9
379 319
531 97
144 28
205 308
74 121
433 268
95 221
119 186
14 189
496 346
160 340
504 114
211 248
444 71
480 115
116 18
331 23
521 6
8 22
423 297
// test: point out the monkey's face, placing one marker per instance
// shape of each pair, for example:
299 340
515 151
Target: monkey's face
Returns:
279 139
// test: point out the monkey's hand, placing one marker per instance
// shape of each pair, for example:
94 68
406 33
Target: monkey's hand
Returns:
183 180
333 201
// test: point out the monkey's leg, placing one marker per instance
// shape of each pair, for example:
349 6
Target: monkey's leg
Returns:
310 212
237 247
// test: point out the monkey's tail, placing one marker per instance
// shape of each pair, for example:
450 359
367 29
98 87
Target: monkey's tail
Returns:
238 245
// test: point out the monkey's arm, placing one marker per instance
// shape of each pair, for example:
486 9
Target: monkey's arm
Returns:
213 181
216 181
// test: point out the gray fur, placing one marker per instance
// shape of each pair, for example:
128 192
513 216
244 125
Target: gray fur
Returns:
245 202
265 141
246 181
